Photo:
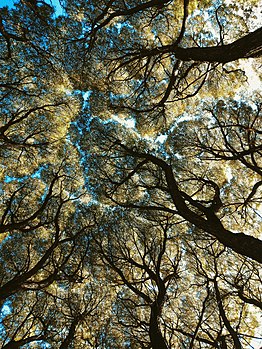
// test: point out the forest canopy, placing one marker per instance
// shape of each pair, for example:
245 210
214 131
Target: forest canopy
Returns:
131 174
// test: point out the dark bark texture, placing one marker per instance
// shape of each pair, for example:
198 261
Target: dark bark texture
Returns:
249 46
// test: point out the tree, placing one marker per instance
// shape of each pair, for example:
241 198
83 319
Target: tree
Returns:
130 148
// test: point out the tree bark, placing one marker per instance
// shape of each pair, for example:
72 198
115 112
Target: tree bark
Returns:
156 337
249 46
241 243
70 336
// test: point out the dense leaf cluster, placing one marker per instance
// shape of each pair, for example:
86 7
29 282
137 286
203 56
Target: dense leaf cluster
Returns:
130 166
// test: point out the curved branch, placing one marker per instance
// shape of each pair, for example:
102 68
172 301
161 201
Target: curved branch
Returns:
245 245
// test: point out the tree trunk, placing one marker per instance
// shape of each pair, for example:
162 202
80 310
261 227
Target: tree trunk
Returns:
156 338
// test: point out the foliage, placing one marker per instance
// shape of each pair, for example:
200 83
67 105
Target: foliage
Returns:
130 148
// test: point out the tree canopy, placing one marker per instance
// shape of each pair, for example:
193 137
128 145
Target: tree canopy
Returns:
130 166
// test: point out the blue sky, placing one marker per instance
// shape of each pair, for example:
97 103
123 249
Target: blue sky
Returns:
6 3
55 3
